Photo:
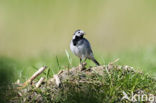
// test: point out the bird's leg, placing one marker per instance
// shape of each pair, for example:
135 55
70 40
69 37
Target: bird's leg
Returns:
83 64
80 66
85 59
80 60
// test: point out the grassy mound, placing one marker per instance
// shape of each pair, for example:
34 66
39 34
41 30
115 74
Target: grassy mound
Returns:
90 85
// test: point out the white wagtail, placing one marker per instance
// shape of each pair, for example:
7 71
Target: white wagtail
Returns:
81 47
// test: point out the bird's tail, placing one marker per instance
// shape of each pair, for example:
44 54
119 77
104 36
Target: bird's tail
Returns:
95 61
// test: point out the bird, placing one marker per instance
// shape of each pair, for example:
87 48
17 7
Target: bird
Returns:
81 47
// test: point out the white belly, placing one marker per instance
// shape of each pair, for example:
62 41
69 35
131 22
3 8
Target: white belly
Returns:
76 50
82 51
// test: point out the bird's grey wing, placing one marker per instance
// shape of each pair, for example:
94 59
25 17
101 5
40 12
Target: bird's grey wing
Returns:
89 49
86 48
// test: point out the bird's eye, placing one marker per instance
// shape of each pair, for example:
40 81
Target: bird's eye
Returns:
78 32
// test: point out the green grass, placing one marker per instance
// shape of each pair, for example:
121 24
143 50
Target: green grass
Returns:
144 60
107 88
104 86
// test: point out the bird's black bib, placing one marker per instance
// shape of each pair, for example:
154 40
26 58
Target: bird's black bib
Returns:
77 38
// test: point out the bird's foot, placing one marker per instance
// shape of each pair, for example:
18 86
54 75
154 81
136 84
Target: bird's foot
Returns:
82 66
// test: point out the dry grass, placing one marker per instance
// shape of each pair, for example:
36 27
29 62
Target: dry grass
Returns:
91 85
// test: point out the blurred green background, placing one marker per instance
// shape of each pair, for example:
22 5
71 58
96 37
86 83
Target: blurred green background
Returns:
34 32
29 27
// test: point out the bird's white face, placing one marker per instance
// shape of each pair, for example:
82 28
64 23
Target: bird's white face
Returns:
78 33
